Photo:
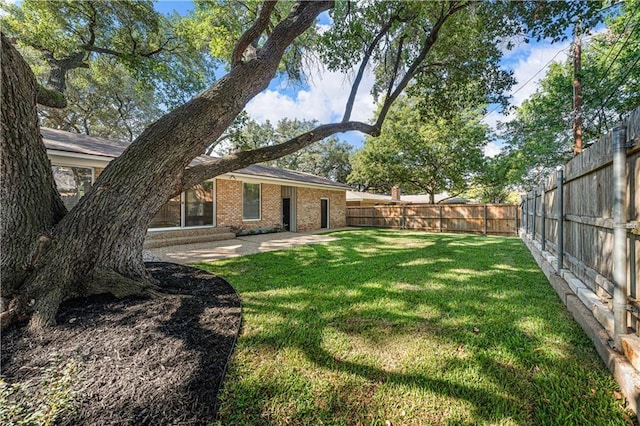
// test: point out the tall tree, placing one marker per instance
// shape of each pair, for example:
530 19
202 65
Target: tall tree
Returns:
492 185
106 68
69 35
104 100
328 158
540 137
422 155
97 246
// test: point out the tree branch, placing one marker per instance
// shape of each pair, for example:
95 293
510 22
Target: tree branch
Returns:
413 68
201 172
396 66
92 25
51 98
363 65
254 32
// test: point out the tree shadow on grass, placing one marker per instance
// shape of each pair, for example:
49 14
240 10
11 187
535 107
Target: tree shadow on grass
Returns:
500 331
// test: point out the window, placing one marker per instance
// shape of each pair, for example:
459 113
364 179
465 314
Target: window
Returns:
72 183
199 205
251 201
168 216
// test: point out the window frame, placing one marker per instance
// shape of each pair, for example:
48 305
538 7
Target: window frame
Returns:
245 219
71 166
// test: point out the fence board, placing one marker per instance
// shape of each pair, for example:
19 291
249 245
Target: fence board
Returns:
500 219
588 213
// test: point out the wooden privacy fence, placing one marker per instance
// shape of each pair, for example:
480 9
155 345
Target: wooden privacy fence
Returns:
581 205
488 219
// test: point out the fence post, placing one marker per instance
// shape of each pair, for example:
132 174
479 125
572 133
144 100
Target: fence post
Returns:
619 235
516 208
485 219
543 230
560 246
523 216
404 217
528 231
535 214
440 217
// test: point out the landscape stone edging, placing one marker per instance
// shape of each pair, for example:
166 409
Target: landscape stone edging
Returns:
623 372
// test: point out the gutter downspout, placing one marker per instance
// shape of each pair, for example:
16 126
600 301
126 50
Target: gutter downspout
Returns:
619 235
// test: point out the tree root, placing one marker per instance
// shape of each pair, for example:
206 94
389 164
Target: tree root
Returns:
42 310
11 312
111 282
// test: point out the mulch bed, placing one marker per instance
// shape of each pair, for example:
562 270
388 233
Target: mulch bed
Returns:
157 361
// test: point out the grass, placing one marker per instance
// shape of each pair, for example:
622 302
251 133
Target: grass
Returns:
412 328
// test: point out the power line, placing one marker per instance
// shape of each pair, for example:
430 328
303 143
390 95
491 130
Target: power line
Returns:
614 4
604 74
626 24
622 81
604 103
530 79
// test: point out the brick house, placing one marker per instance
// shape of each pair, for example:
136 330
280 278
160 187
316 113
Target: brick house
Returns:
256 197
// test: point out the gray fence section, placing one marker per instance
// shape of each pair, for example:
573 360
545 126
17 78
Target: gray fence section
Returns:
583 213
488 219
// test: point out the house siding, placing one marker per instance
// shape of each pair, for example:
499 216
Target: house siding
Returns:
229 205
96 153
308 207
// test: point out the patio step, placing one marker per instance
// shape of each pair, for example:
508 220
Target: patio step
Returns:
157 239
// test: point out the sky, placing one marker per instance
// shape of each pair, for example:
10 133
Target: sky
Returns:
324 97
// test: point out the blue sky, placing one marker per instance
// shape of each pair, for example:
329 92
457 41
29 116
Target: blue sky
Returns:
323 99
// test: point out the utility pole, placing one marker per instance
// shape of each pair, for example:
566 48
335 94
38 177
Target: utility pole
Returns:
577 92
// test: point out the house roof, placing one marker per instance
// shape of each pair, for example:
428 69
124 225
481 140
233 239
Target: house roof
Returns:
61 141
286 174
361 196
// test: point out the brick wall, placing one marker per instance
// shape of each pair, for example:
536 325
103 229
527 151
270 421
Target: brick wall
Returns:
229 205
308 207
271 206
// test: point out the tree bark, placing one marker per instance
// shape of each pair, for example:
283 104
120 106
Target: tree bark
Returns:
97 247
31 205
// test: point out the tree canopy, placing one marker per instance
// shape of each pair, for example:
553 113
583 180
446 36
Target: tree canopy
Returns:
50 255
69 35
116 65
540 136
422 155
328 158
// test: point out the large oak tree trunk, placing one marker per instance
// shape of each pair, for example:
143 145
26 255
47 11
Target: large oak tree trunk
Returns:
97 247
31 206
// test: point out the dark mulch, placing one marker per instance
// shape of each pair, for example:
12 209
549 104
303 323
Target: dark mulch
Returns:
153 361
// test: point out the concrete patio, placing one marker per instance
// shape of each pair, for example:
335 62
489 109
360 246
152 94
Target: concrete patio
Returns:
240 246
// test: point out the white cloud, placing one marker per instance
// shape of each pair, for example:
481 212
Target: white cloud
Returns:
530 70
326 96
324 100
491 150
529 64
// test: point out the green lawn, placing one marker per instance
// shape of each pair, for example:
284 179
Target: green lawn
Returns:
408 327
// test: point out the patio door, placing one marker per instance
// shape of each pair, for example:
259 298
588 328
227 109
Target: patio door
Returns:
286 214
324 213
198 205
289 208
